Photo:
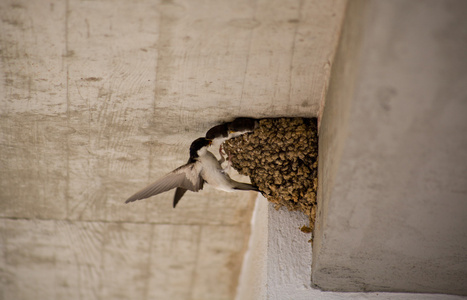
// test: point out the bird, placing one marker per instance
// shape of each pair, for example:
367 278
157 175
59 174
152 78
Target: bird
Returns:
202 167
225 131
232 129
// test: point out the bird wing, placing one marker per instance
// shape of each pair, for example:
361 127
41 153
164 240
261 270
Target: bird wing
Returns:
180 191
186 177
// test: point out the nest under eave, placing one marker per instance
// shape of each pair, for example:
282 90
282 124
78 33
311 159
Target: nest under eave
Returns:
281 158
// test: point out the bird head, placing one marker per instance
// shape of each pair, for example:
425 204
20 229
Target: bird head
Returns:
197 145
219 131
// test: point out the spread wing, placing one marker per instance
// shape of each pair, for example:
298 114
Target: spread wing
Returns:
186 177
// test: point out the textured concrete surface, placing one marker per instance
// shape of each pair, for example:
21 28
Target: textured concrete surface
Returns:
99 98
393 215
288 264
253 283
288 278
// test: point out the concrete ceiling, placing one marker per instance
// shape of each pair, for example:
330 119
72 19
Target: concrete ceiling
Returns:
101 97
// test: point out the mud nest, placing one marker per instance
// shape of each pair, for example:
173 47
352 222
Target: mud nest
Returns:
281 158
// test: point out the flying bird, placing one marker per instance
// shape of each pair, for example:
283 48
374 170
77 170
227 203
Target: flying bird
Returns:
201 167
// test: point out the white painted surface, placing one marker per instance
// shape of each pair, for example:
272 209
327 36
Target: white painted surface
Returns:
289 255
253 278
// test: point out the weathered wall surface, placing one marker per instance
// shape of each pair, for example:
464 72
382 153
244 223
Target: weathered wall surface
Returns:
98 98
394 214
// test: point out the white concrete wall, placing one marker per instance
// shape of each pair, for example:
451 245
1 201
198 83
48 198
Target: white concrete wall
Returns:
253 282
393 154
288 262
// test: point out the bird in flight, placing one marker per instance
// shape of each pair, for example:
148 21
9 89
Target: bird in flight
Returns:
202 167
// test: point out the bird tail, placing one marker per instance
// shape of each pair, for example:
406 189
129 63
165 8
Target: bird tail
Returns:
245 187
179 192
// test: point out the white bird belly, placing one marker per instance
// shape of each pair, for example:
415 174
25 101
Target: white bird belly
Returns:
213 173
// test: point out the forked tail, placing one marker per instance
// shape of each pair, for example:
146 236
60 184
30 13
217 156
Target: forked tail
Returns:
245 187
